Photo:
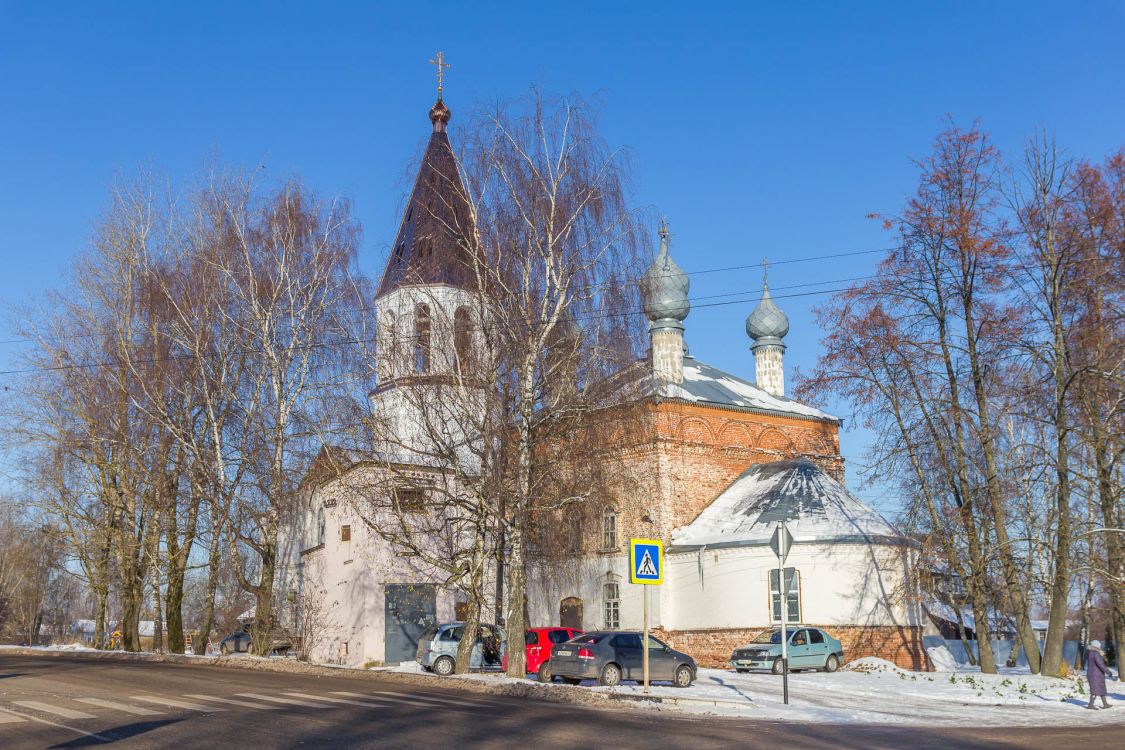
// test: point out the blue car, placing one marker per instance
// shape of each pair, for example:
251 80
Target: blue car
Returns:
437 647
809 648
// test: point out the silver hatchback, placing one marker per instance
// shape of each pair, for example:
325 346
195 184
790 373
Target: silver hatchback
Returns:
437 647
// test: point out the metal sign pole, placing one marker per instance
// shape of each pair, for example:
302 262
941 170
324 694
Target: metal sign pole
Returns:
644 643
780 543
784 634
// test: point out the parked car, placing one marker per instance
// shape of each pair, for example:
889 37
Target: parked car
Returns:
809 648
240 641
437 647
235 642
538 643
612 656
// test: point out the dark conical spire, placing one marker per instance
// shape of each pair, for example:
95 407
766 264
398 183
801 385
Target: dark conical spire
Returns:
431 244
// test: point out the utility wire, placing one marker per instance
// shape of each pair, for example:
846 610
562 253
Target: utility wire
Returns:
701 271
355 341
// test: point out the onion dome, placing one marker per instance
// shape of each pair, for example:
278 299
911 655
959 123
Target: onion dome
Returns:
767 324
664 289
439 116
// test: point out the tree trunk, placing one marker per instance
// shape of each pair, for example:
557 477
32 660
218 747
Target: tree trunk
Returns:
208 621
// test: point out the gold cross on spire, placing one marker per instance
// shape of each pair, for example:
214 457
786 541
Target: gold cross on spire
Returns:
664 233
440 63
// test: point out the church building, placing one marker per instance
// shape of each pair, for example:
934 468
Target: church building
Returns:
720 461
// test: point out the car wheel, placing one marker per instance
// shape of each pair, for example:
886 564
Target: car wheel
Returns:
778 667
572 680
611 675
444 666
683 677
832 664
544 673
742 671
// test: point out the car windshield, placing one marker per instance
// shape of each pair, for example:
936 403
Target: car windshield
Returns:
773 636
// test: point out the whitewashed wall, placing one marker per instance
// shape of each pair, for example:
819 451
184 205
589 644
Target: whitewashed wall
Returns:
841 584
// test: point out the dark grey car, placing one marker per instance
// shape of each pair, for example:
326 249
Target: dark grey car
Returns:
612 656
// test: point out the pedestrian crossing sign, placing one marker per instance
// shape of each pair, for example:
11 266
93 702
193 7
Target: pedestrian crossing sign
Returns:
646 561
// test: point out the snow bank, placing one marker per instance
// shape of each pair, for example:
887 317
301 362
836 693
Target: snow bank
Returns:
872 664
942 658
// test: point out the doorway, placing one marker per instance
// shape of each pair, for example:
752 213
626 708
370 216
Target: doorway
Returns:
570 613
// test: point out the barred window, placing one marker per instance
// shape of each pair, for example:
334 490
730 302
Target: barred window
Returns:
611 594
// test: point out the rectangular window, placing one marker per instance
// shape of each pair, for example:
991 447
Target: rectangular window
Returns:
345 533
410 499
609 529
612 597
793 591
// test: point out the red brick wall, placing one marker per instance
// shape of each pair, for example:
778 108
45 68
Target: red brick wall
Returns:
901 645
702 449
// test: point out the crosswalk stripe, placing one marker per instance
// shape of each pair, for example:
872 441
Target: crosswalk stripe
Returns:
393 697
365 704
234 702
279 699
174 703
8 718
47 708
455 702
119 706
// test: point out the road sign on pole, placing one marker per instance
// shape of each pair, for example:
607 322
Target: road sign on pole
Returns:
646 561
646 566
781 541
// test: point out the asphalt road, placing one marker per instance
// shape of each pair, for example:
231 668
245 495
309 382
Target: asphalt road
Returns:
71 701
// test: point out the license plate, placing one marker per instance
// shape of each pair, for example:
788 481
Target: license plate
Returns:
744 662
564 653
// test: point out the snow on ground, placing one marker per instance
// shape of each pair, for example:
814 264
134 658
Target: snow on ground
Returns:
57 647
876 691
866 691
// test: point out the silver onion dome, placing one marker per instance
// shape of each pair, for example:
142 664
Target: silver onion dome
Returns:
767 324
664 289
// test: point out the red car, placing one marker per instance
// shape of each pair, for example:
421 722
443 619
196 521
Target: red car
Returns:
539 642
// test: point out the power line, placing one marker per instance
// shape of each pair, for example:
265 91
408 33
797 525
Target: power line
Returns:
356 341
701 271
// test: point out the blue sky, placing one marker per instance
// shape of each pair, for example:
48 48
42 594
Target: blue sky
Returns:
759 130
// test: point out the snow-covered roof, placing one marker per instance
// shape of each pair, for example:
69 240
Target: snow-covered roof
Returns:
708 384
813 505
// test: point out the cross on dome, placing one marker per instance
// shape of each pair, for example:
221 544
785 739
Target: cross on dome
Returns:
440 63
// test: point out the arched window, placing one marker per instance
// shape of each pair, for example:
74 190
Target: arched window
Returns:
611 603
422 338
609 528
320 525
388 355
463 338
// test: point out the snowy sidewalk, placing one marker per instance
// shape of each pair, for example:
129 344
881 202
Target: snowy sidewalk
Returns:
867 691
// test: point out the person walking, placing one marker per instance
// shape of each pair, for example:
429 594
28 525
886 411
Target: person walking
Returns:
1096 672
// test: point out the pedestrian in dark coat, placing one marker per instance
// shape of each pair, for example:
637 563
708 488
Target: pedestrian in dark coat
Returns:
1096 672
